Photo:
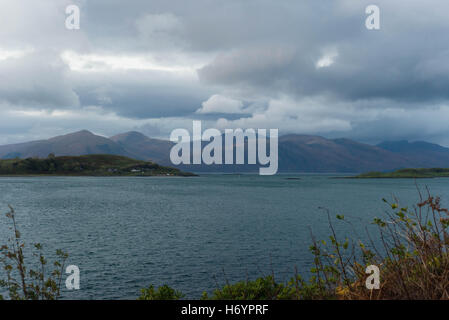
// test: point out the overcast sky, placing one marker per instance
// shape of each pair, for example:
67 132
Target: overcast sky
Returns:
308 67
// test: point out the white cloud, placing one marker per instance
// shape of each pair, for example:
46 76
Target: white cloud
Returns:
326 60
307 116
220 104
14 53
109 62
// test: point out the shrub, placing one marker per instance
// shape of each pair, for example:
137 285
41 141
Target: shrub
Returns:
411 253
264 288
22 282
161 293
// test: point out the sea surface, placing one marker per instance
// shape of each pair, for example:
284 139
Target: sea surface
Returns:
125 233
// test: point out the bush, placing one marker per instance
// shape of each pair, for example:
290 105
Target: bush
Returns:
161 293
264 288
22 282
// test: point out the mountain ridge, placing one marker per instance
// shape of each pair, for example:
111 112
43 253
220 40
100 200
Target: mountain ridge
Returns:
297 153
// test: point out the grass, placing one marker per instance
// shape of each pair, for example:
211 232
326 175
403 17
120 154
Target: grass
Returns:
88 165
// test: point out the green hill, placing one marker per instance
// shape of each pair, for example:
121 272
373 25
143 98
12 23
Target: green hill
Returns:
88 165
408 173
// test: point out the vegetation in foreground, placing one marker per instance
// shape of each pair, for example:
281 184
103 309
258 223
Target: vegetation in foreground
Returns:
88 165
38 282
413 260
407 173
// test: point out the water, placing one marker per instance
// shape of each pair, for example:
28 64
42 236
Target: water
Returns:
190 233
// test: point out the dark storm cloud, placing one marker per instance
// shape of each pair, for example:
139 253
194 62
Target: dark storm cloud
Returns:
37 79
402 61
136 101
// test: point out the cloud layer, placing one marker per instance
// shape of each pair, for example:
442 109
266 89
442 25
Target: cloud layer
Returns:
307 67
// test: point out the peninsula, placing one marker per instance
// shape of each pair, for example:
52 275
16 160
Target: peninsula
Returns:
87 165
407 173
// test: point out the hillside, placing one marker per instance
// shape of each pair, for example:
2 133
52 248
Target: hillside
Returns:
297 153
318 154
407 173
88 165
73 144
142 147
424 154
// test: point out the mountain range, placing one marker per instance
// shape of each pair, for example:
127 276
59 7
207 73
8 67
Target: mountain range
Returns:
297 153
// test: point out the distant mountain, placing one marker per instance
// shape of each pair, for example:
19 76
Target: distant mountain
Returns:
73 144
144 148
318 154
422 154
297 153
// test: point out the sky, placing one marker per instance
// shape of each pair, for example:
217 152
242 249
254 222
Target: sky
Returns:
305 67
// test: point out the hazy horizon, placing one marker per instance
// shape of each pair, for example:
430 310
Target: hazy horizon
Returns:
167 139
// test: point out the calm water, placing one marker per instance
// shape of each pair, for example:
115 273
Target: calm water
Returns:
127 233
